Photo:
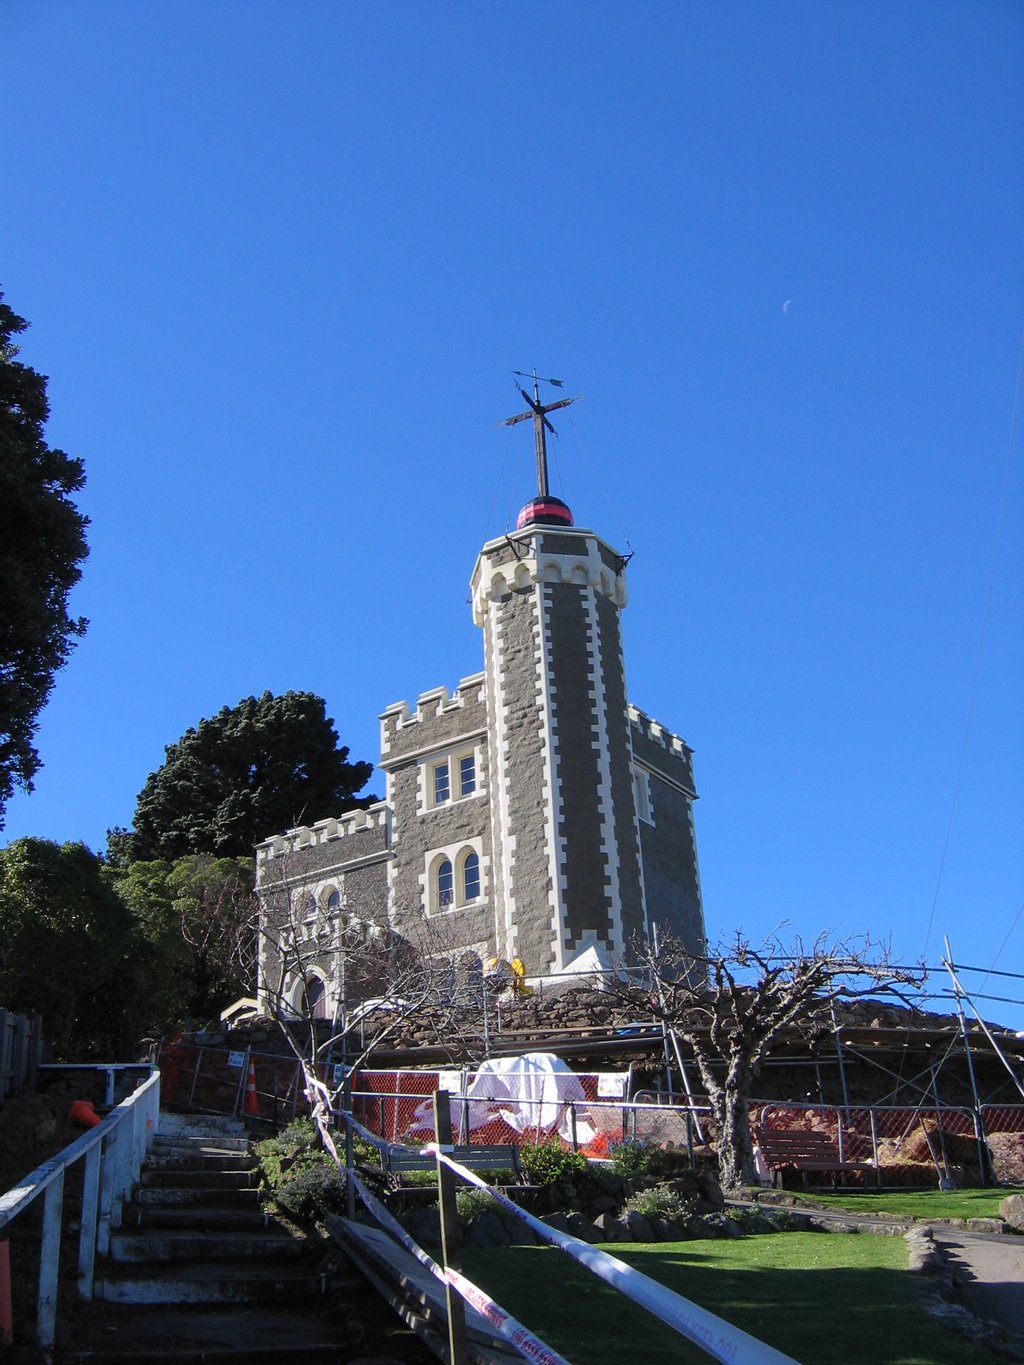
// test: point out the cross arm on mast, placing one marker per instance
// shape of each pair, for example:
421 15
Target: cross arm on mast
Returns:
539 411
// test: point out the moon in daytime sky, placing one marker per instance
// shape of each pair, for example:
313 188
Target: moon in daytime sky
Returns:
785 306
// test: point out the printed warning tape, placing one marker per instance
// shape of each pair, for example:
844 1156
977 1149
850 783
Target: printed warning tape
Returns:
720 1339
521 1338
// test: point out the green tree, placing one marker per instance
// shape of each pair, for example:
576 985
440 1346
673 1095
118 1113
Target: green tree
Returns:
70 952
249 771
197 918
42 545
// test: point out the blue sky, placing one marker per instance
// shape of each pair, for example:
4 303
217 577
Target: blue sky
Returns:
280 261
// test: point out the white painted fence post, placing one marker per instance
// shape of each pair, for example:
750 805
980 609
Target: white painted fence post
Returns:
49 1261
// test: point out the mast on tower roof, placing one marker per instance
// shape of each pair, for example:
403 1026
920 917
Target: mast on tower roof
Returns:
539 411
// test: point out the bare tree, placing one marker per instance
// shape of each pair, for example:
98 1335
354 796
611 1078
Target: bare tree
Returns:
381 982
729 1005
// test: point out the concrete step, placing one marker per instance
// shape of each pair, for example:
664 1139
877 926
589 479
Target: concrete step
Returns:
176 1196
199 1142
176 1244
198 1216
200 1125
200 1179
312 1333
213 1283
199 1159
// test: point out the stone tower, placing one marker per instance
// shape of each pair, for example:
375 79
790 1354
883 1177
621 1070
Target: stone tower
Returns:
533 813
566 862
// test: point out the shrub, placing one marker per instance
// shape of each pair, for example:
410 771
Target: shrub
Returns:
632 1159
658 1203
314 1192
548 1162
295 1148
473 1201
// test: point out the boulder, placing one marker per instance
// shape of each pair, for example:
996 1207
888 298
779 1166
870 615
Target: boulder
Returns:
583 1228
710 1189
721 1225
485 1230
639 1227
424 1226
614 1229
1011 1210
558 1221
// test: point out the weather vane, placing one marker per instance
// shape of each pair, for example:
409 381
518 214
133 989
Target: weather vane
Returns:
539 412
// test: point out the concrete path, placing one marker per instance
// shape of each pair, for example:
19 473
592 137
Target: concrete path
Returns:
990 1268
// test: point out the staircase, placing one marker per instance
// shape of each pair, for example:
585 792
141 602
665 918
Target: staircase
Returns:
197 1272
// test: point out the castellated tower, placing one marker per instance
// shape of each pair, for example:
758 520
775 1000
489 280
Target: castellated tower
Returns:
566 858
534 813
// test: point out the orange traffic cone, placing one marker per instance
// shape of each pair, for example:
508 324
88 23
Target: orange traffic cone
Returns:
83 1114
252 1100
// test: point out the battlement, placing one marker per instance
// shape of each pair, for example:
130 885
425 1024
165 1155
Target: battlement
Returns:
545 555
324 831
397 719
655 732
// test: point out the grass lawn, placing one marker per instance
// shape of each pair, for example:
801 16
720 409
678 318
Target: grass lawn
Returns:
917 1203
823 1299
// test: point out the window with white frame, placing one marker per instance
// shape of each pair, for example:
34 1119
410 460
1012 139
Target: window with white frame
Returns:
444 884
471 876
454 878
451 778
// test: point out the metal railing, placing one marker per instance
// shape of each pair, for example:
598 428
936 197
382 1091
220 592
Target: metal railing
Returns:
112 1154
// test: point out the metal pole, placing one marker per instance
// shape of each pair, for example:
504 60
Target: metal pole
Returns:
836 1030
458 1353
988 1033
984 1157
346 1104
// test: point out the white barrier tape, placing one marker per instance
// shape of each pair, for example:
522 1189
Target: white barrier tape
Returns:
720 1339
377 1141
521 1338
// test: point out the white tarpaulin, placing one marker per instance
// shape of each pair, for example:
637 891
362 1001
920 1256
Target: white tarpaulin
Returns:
528 1092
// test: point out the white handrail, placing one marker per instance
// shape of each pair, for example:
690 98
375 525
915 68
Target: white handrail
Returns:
113 1153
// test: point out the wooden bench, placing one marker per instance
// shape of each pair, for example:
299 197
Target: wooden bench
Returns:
803 1150
495 1156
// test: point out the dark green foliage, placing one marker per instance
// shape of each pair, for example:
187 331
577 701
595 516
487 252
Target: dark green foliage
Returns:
299 1175
632 1159
249 771
548 1162
70 950
196 917
313 1192
42 545
658 1203
469 1202
294 1145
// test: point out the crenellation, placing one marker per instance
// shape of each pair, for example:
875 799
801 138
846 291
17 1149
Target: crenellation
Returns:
375 817
656 732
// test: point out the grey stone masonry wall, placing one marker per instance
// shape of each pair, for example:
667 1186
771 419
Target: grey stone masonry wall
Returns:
632 916
348 855
441 728
668 843
520 781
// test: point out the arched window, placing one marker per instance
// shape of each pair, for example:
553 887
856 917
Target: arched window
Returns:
445 883
333 902
471 877
314 999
